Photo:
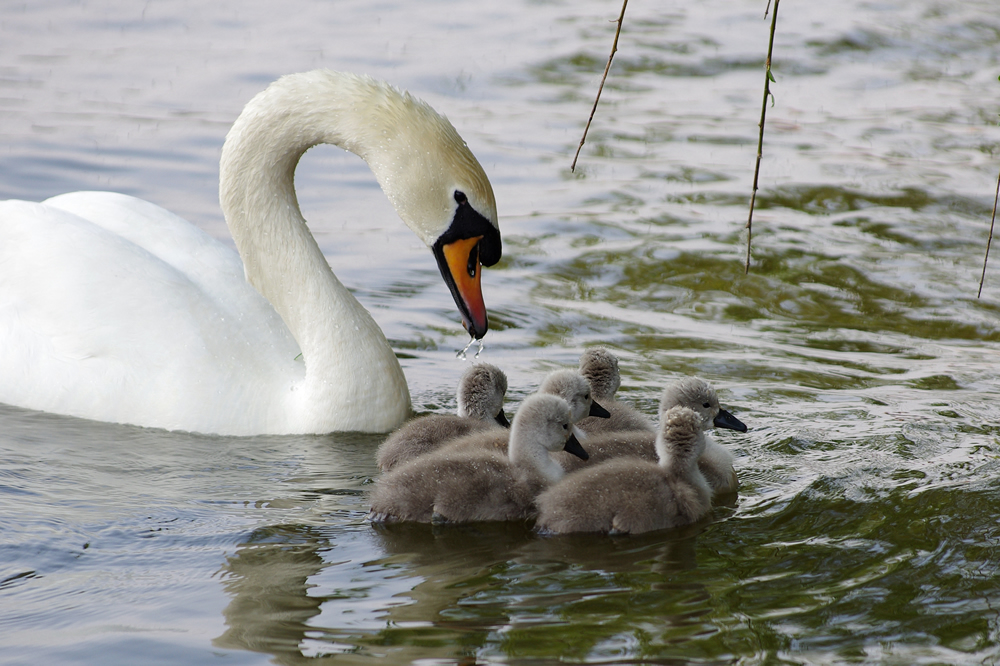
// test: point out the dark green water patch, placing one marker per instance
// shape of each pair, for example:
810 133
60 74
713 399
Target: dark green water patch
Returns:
827 199
935 383
860 41
808 288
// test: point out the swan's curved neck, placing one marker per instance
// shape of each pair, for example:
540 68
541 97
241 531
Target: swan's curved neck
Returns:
347 358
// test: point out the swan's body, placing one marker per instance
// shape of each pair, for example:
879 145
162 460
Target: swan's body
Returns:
715 461
600 368
114 309
630 496
480 396
479 485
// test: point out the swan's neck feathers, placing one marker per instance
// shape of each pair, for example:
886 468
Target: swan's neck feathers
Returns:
346 355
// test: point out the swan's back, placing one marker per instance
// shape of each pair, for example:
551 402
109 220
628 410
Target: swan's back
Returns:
90 283
623 417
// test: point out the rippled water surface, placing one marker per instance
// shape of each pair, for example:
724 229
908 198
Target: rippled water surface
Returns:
866 526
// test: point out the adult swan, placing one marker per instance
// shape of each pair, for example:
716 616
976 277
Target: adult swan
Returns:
114 309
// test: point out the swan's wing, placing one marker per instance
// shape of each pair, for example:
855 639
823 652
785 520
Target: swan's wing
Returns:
206 262
154 325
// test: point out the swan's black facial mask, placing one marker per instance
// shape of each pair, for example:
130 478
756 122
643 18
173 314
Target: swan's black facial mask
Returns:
469 242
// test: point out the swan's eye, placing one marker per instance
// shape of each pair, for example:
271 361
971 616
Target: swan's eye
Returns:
473 261
707 405
565 426
460 198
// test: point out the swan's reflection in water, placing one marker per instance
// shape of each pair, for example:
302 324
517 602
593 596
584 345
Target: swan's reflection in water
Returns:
306 593
268 579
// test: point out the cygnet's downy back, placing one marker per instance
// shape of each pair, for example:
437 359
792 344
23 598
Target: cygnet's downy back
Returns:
458 486
480 394
631 496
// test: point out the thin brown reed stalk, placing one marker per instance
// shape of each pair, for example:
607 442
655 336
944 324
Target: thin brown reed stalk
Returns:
614 47
768 77
990 239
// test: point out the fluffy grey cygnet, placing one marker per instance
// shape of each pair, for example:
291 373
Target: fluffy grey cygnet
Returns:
480 392
569 385
715 463
630 496
600 367
478 485
574 388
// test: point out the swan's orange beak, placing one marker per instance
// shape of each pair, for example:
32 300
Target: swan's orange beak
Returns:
461 270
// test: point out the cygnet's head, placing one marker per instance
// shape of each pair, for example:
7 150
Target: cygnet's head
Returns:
600 368
697 395
571 386
481 391
547 421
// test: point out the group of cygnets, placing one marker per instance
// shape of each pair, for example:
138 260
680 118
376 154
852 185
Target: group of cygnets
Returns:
575 459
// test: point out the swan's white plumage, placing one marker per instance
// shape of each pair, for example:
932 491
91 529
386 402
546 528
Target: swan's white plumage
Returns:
114 309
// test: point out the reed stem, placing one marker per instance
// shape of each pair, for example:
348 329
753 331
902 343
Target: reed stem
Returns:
768 77
990 239
614 47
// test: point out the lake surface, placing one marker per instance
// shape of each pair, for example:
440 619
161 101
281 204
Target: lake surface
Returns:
866 528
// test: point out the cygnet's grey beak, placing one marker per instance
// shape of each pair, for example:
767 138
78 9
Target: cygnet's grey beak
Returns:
727 420
501 418
573 446
598 411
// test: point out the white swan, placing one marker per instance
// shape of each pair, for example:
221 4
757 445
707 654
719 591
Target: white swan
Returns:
114 309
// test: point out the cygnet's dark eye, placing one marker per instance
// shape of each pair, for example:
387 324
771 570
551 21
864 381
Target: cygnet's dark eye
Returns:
707 405
565 426
460 197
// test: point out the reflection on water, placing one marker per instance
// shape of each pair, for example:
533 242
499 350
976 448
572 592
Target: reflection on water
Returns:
865 528
267 578
460 587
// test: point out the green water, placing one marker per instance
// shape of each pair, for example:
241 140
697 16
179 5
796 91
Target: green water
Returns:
865 529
